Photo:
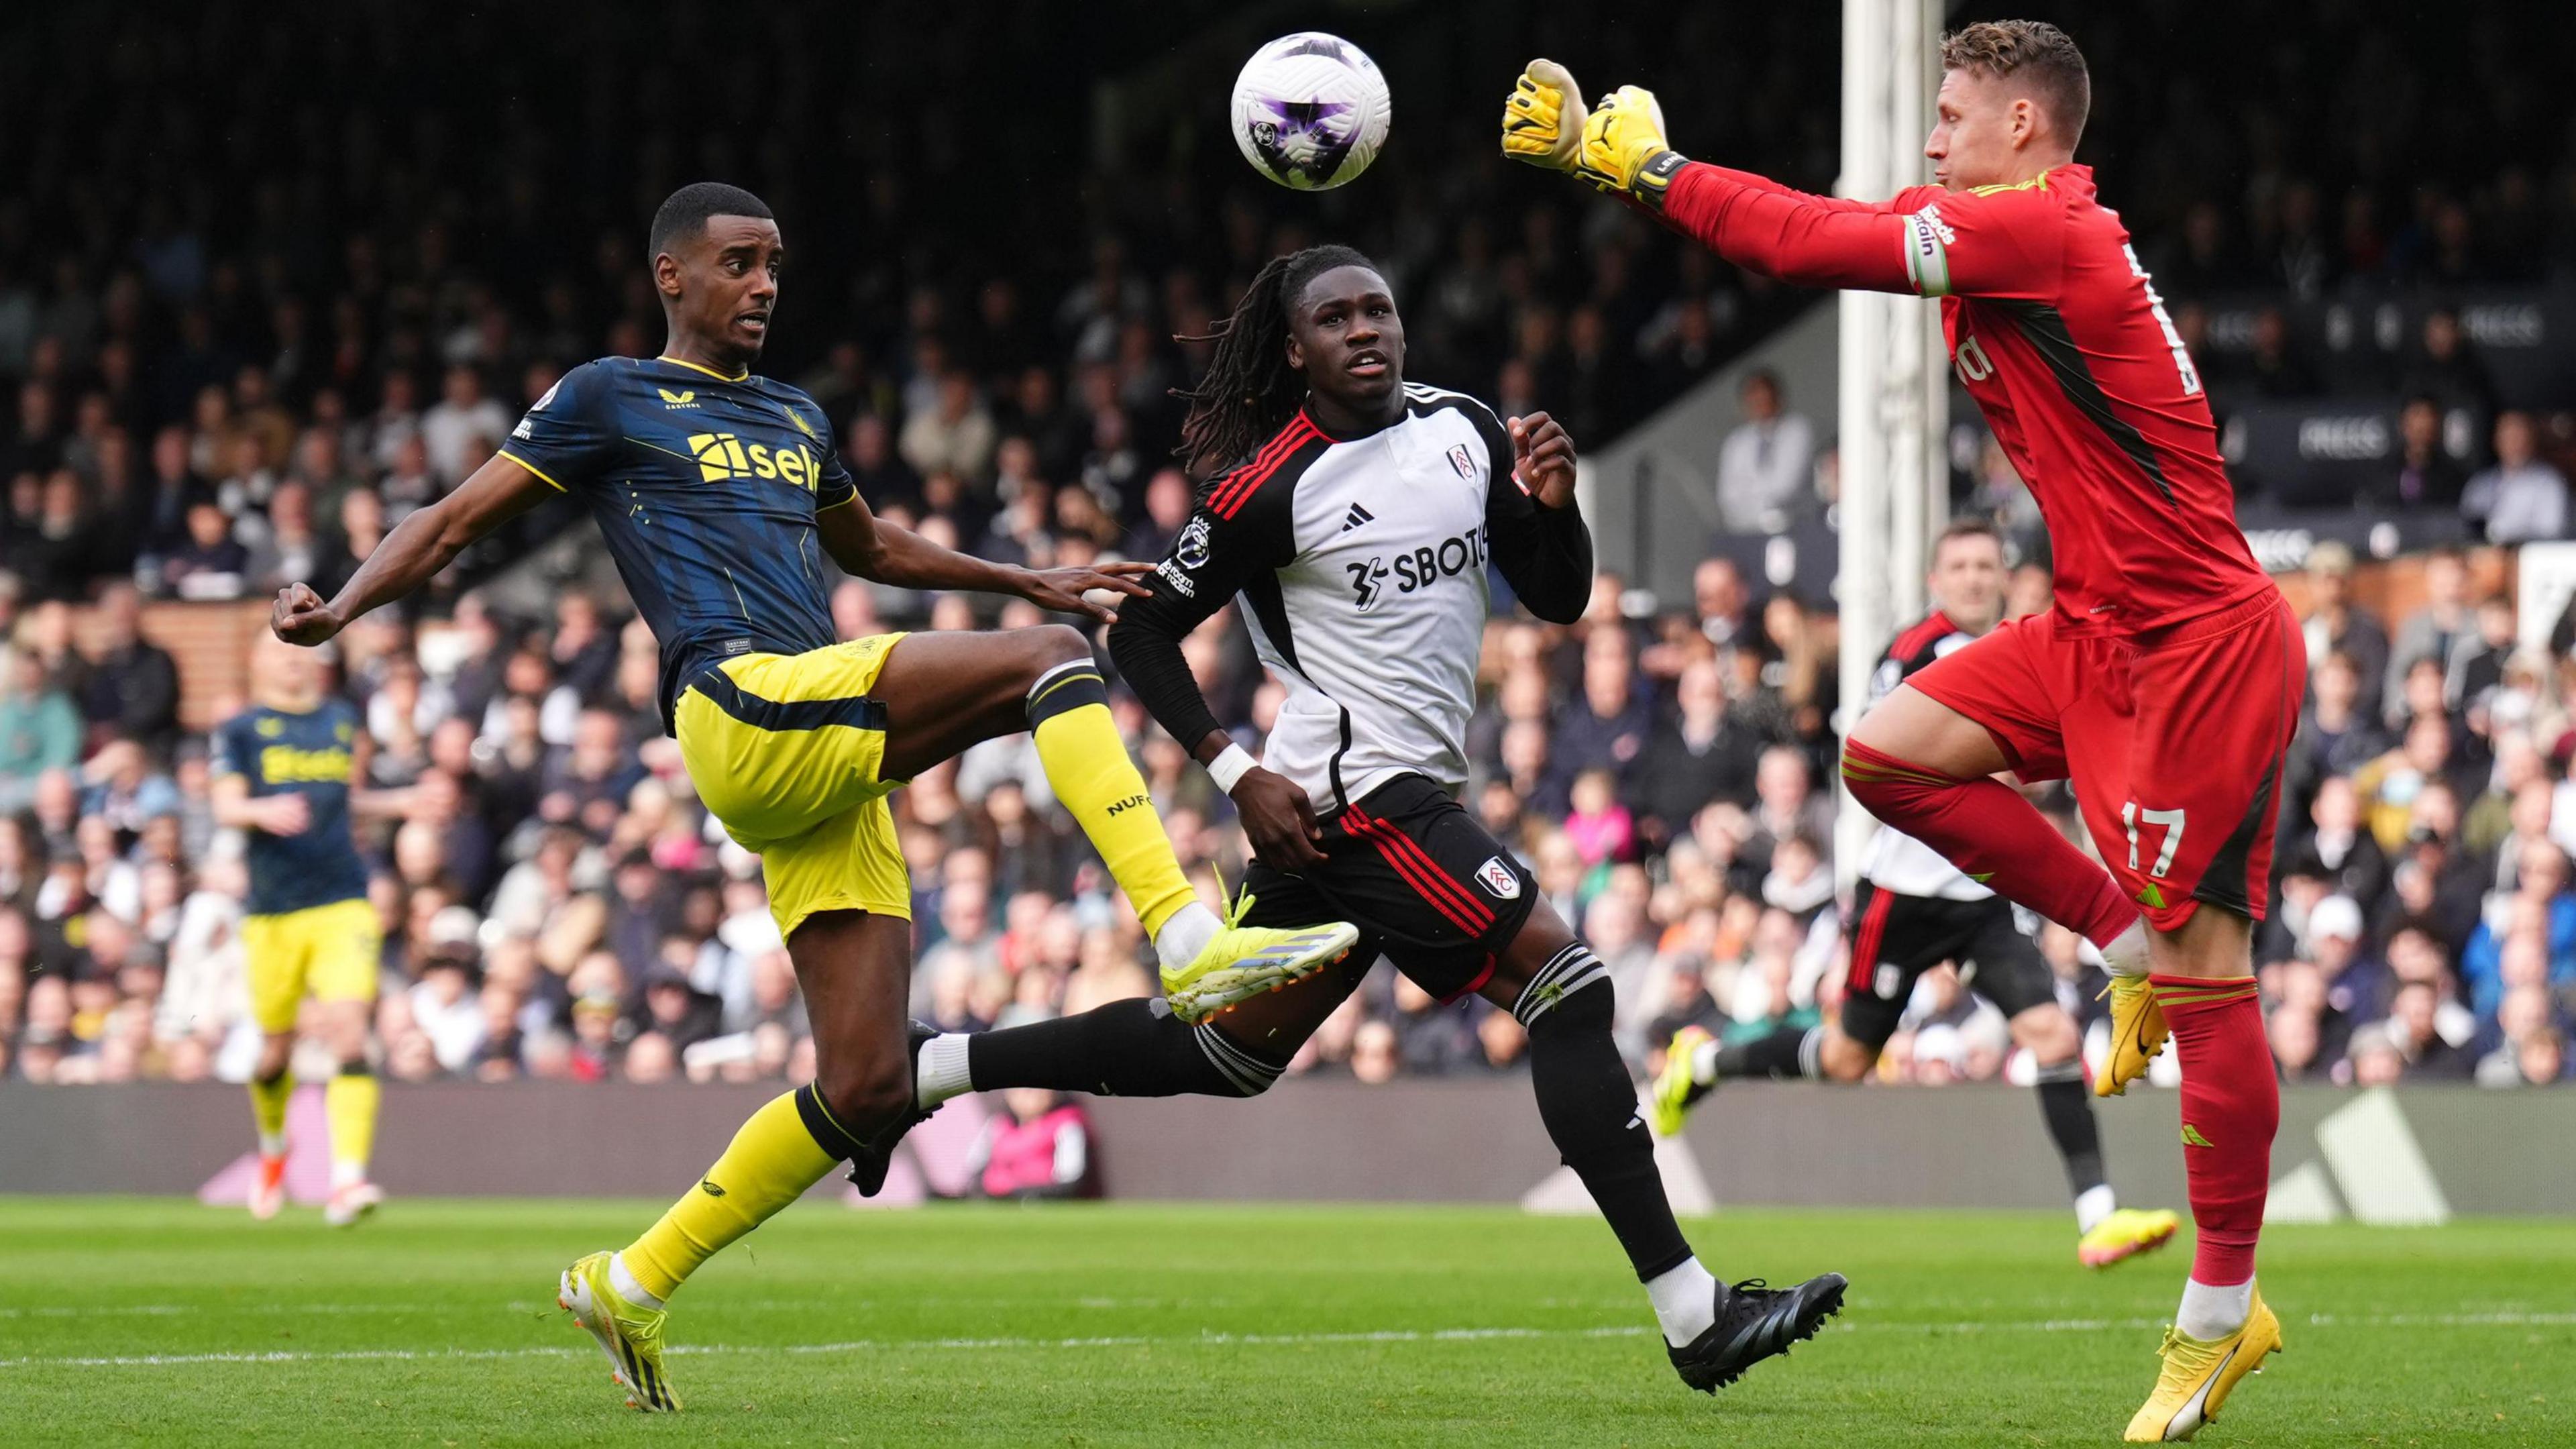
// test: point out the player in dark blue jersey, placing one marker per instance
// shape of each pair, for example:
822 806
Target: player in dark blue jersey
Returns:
286 774
720 494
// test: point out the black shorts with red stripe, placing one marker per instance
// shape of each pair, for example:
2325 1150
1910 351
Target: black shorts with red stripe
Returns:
1895 938
1428 886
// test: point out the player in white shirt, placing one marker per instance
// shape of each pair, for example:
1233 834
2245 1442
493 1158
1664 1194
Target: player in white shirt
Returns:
1355 518
1914 910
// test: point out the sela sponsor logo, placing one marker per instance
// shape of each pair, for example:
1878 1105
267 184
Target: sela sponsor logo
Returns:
1463 461
1498 880
1416 569
1190 550
722 456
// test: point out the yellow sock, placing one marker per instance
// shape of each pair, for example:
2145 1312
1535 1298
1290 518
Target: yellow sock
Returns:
268 1110
776 1156
1087 764
350 1103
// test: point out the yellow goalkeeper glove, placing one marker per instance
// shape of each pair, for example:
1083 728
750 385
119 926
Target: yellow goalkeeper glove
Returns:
1624 149
1543 119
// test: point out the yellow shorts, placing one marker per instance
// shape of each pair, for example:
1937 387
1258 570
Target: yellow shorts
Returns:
784 750
327 952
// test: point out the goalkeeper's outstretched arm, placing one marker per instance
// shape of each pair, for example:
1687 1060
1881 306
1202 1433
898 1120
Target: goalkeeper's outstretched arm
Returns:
1754 222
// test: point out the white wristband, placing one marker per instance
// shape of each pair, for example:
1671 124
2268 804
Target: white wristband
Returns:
1231 766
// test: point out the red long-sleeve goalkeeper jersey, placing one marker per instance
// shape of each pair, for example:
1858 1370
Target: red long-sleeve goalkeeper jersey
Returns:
2058 334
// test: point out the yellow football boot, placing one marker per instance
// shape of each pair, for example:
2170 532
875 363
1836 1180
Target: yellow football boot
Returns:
2126 1233
2138 1032
2198 1376
1241 962
630 1335
1676 1088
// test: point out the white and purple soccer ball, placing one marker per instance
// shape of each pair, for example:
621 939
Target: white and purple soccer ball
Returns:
1310 110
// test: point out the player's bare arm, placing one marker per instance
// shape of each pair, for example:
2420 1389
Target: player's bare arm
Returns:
236 808
868 547
1278 816
367 804
421 545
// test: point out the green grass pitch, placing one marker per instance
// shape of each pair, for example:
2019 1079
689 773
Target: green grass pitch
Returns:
126 1320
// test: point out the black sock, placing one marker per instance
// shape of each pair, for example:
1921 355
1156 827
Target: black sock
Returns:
1590 1108
1788 1052
2068 1105
1134 1048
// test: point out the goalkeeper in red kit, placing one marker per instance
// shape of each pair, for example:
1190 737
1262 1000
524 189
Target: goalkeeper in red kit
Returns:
2165 682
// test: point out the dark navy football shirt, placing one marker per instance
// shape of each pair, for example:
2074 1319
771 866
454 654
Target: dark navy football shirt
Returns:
306 754
706 488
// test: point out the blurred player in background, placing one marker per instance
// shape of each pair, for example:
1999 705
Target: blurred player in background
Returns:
719 492
2164 684
285 774
1356 524
1914 910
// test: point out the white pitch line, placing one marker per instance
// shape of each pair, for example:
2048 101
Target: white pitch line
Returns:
1220 1340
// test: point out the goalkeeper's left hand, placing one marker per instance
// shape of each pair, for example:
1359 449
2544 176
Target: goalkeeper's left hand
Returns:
1624 150
1543 118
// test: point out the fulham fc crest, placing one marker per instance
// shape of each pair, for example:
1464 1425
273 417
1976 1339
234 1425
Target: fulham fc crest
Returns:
1460 459
1498 880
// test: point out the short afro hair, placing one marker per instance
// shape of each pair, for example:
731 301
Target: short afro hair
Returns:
684 213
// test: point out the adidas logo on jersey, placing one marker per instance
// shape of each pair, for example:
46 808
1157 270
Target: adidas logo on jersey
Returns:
1356 517
722 456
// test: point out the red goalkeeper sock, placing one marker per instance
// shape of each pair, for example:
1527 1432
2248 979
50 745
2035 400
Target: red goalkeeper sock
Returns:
1988 830
2231 1106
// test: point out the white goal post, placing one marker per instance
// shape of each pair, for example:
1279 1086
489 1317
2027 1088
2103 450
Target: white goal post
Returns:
1893 404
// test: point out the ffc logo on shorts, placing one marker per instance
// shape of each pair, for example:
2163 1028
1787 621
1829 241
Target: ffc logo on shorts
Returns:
1498 880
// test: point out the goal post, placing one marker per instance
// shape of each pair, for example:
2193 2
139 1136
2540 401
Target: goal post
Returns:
1892 401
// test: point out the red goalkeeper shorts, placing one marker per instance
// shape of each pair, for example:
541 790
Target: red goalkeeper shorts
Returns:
2173 741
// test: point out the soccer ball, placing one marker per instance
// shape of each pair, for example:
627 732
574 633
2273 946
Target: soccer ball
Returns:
1310 110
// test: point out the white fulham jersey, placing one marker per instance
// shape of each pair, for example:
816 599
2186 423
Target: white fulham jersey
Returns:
1361 564
1896 861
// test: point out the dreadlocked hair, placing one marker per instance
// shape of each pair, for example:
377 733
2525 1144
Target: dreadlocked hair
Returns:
1250 391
